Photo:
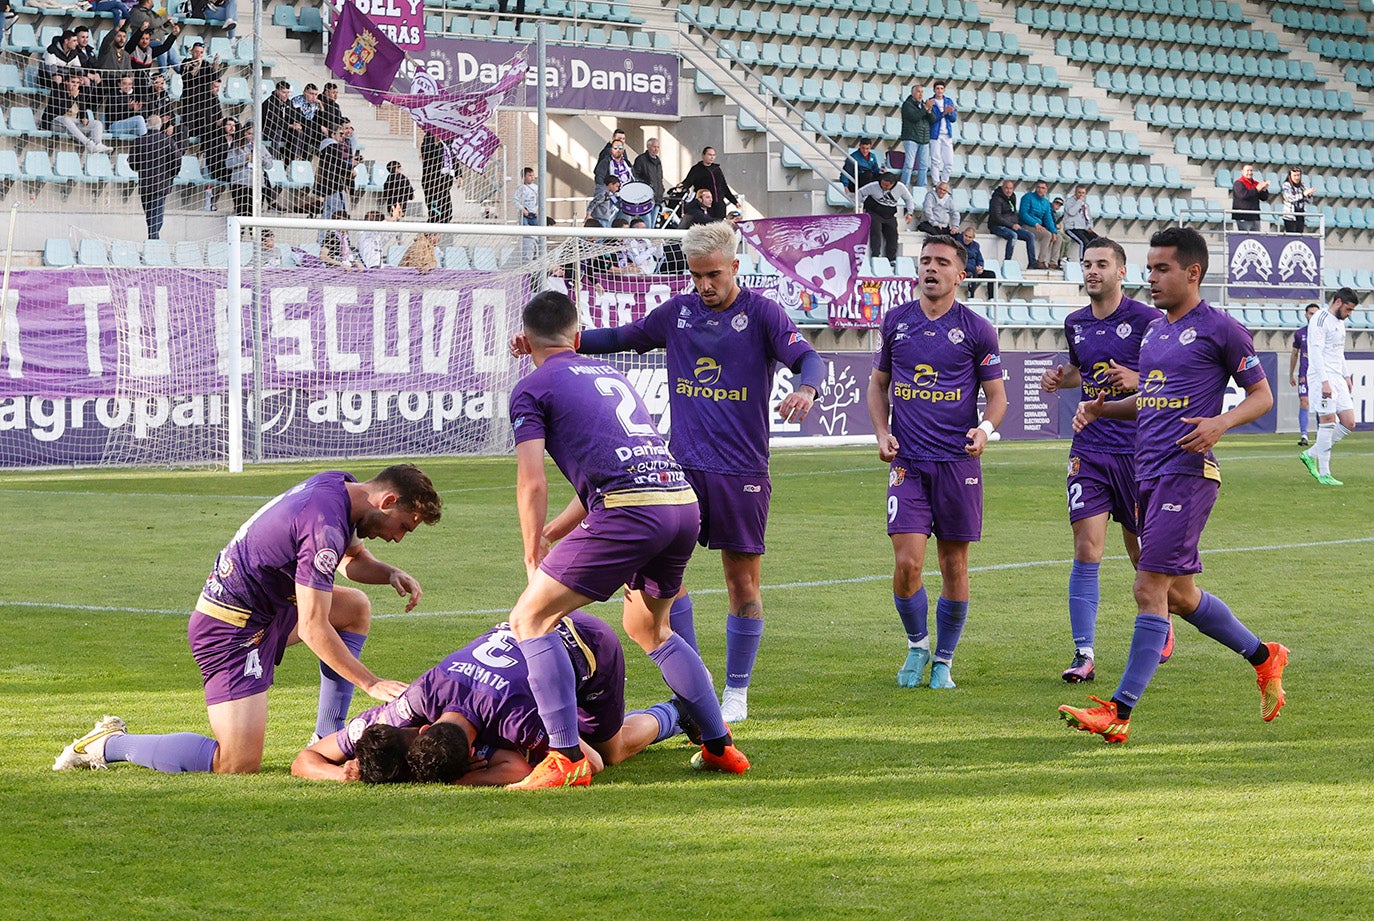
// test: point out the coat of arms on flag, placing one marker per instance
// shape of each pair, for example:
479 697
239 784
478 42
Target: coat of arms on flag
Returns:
360 53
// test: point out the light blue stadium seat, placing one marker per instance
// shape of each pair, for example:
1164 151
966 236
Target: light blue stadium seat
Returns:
93 252
57 253
188 255
158 253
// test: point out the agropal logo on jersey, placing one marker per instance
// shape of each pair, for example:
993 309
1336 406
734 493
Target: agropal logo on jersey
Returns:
1100 381
925 385
707 374
1151 395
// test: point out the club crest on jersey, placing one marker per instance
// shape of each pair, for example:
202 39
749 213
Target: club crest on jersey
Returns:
355 728
327 560
1074 464
896 476
1187 336
956 335
1123 331
740 322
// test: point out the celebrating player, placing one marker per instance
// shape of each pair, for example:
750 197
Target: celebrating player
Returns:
1186 358
483 690
273 586
633 522
1104 338
1297 372
1330 378
723 343
934 357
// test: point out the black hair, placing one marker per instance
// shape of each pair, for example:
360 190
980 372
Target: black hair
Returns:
1105 243
414 490
440 754
381 753
1188 245
550 316
944 239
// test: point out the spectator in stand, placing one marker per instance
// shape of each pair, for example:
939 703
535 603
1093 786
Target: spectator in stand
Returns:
1004 222
861 165
617 137
974 269
422 253
648 168
282 131
707 174
59 60
224 12
396 190
308 112
333 176
209 113
697 210
87 56
880 200
1078 221
372 244
124 109
605 204
142 17
118 9
156 157
917 119
1296 198
244 156
942 134
939 216
144 56
337 250
330 113
643 254
1037 213
156 99
200 106
346 132
68 109
617 165
273 256
1246 195
214 151
113 58
435 180
527 206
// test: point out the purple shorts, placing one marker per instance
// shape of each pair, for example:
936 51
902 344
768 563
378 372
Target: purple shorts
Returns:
1302 386
600 695
1103 483
643 547
1173 512
237 662
940 497
734 509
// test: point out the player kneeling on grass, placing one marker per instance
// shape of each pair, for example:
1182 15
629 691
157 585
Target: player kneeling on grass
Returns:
633 522
472 718
273 586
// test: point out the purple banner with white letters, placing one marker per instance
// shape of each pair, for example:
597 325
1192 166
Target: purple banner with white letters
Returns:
402 21
576 79
822 253
1273 266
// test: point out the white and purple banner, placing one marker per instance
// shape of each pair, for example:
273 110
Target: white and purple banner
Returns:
822 253
1273 266
577 79
402 21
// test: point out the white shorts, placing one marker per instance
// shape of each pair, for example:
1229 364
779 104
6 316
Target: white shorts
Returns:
1338 402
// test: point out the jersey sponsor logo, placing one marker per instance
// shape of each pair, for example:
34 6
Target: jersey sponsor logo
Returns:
327 560
896 476
991 360
794 338
1123 331
1188 336
1171 507
955 335
1099 381
1150 393
1248 362
519 421
739 323
1074 465
707 371
923 386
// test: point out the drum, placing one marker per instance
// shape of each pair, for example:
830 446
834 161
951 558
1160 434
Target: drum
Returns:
637 199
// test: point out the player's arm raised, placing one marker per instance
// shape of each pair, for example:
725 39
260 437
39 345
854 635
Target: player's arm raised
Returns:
880 413
1209 429
316 632
359 565
532 499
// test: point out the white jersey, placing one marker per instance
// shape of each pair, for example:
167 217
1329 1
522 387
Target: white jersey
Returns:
1325 349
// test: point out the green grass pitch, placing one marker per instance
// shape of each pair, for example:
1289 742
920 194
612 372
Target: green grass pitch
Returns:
865 800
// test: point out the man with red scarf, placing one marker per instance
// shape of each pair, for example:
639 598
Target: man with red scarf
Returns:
1246 195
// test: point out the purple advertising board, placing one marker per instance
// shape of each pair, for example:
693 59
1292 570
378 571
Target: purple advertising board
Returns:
402 21
577 79
1273 266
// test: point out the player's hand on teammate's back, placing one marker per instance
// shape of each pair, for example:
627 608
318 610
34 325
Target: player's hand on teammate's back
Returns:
405 584
1122 377
1049 381
1088 410
796 405
1207 433
887 448
386 690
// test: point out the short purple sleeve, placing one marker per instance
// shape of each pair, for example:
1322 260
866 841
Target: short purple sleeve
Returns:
650 331
987 355
1238 349
1069 337
526 416
321 547
882 359
785 342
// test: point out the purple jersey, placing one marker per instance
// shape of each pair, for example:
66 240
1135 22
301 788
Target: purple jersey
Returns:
1184 368
1300 343
1093 345
598 432
720 369
936 367
488 683
298 537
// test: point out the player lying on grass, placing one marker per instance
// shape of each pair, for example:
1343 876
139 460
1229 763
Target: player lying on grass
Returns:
482 692
271 587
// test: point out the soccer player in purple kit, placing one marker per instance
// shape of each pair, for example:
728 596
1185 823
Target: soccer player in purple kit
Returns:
1104 341
723 343
484 690
935 356
1186 359
633 522
1297 372
273 586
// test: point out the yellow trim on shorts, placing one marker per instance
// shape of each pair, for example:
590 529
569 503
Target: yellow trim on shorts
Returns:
636 497
581 644
1210 470
236 617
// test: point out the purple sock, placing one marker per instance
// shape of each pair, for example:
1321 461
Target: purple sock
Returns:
1214 619
914 612
1147 642
666 714
554 686
176 753
742 638
336 692
687 677
949 626
680 619
1302 421
1084 593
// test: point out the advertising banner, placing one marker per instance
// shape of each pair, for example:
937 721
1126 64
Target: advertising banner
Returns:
1273 266
402 21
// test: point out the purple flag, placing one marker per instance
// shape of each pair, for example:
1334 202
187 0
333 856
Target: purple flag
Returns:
361 56
822 253
457 110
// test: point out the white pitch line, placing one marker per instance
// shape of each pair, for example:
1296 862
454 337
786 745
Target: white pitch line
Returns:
820 583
